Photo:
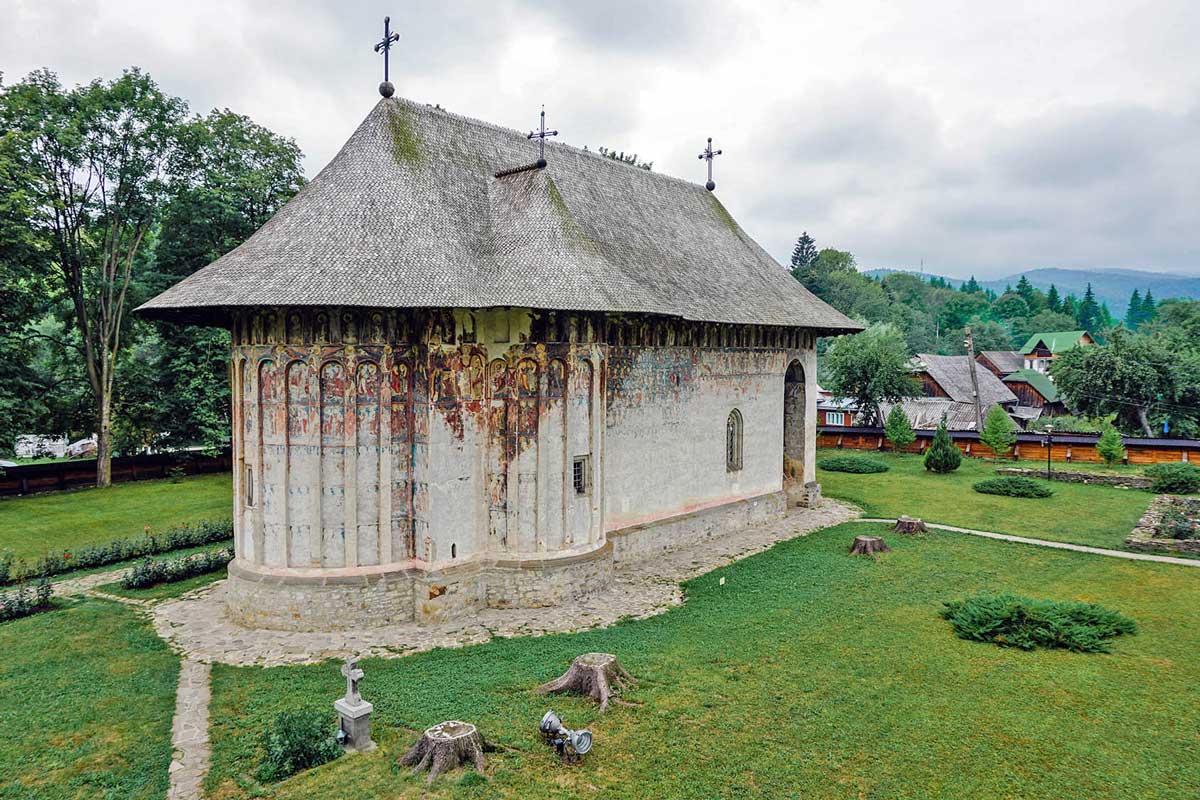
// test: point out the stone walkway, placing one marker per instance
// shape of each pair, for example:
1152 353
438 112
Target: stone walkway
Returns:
1078 548
189 732
195 624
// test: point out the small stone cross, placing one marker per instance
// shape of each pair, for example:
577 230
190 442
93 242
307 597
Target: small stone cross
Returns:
353 676
541 135
708 155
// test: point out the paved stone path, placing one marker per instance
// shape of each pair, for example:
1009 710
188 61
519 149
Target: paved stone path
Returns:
1078 548
195 624
189 732
82 585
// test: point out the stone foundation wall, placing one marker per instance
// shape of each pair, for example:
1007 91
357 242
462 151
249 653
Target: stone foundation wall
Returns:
638 542
1143 536
1126 481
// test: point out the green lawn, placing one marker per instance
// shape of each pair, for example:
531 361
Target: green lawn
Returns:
810 673
87 693
31 526
1100 516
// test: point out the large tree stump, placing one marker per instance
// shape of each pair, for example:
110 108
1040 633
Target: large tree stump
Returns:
907 524
868 546
600 676
446 746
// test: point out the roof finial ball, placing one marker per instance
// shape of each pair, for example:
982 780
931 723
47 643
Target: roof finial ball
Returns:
708 155
386 88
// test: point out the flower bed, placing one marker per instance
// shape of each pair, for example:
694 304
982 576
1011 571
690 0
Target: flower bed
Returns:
1170 523
177 538
24 602
151 573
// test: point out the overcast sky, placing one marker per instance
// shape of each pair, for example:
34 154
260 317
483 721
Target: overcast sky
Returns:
976 137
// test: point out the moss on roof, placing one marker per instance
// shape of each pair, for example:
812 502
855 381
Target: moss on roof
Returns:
405 146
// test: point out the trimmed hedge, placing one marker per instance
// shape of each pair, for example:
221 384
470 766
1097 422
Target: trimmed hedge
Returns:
1011 621
23 602
151 573
855 464
1012 486
1174 478
100 555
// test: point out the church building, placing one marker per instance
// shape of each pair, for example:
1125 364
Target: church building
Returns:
465 377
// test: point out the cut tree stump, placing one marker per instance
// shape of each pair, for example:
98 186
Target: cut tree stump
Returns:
600 676
444 747
868 546
907 524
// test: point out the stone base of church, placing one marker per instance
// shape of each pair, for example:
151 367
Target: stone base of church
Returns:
305 600
368 597
693 529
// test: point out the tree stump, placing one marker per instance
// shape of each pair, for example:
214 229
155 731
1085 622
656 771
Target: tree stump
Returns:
446 746
868 546
907 524
599 676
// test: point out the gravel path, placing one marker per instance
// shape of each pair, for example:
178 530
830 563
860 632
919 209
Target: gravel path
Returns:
1078 548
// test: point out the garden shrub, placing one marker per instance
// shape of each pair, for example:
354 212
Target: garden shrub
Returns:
100 555
1011 621
297 740
6 567
942 456
1176 525
23 602
1174 478
150 573
1012 486
853 464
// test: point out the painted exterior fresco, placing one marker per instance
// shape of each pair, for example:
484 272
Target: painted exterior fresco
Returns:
373 442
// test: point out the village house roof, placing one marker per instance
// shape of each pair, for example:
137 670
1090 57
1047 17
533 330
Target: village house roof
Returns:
953 374
1038 380
925 413
1055 341
423 208
1004 360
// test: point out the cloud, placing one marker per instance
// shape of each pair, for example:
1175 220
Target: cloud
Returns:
985 139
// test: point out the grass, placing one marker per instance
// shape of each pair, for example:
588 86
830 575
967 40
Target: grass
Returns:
88 695
810 673
31 526
1100 516
165 591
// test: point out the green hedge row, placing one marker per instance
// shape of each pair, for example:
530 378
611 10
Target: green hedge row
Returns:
1013 486
151 573
855 464
24 602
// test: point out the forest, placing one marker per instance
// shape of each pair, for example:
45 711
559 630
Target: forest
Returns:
1144 376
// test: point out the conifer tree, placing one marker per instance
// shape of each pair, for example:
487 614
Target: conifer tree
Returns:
971 286
898 429
1026 290
998 433
1149 308
1088 315
804 253
1110 446
1052 299
942 456
1133 317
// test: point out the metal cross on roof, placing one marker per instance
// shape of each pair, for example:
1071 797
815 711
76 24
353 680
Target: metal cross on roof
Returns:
708 155
386 89
541 135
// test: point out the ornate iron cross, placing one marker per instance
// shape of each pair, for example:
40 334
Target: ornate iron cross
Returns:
708 155
386 89
540 134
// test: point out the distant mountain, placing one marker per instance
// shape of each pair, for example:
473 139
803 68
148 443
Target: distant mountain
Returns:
1112 286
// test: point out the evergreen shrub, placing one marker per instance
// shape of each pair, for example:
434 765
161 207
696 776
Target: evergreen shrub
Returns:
1011 621
853 464
1174 478
297 740
1013 486
151 573
942 456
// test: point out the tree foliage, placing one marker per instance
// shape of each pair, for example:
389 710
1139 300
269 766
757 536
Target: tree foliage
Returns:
869 368
942 456
1110 446
897 428
998 432
1130 378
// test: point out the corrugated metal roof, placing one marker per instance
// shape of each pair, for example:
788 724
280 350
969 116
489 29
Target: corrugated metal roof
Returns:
422 208
925 413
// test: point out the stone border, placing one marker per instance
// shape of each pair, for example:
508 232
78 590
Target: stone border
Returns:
1143 537
1122 481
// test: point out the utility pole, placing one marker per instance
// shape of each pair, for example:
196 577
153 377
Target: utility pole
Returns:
970 344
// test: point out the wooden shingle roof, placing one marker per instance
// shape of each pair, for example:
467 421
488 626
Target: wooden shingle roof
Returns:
423 208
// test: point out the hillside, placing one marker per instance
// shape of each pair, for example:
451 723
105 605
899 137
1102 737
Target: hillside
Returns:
1112 286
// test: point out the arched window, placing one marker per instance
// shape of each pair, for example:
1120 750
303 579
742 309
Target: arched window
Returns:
733 441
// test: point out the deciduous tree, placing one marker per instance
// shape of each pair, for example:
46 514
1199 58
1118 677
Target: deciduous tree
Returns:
869 368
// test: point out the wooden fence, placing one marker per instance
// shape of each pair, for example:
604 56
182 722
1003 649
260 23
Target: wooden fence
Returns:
1067 447
55 475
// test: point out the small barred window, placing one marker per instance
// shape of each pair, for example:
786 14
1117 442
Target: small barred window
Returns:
581 476
250 486
733 441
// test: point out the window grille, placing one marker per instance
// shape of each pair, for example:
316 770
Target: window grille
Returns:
581 477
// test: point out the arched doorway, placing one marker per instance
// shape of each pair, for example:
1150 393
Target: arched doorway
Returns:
794 403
